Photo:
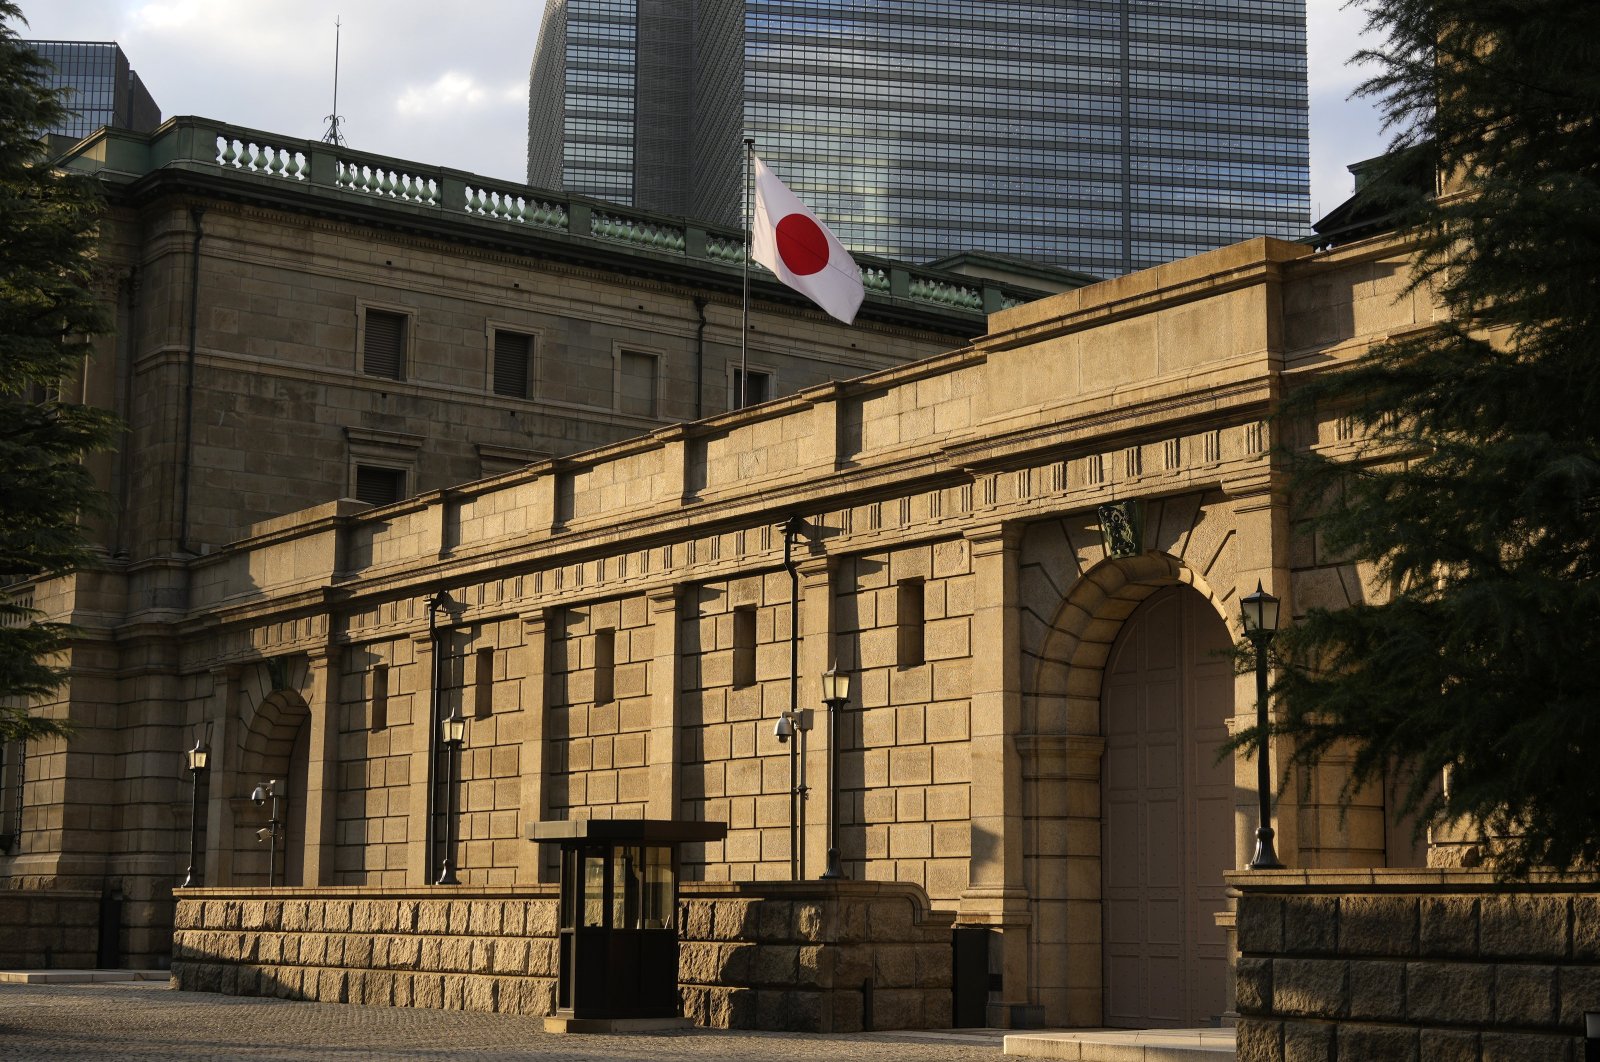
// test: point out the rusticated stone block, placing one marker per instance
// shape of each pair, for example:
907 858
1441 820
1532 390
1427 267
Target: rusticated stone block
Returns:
1260 924
433 916
934 966
1524 995
1390 1043
844 1006
894 966
229 983
697 962
897 1008
427 990
1579 988
1310 925
851 921
1448 993
1258 1041
361 916
777 965
737 963
382 916
454 988
513 918
1526 1047
1309 987
336 916
542 916
1253 978
938 1010
403 990
852 965
480 993
889 920
1307 1041
1586 928
809 922
511 955
774 921
1378 925
358 951
483 918
695 919
788 1011
1377 990
1449 926
269 947
404 952
736 920
543 955
480 954
252 915
294 916
1519 925
405 916
1448 1045
272 914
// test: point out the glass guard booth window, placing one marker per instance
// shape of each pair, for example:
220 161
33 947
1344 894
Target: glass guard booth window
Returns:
638 881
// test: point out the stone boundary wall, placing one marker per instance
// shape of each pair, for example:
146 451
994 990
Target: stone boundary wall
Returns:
814 957
1414 965
49 929
801 956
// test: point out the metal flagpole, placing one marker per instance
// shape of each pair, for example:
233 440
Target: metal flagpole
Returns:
744 319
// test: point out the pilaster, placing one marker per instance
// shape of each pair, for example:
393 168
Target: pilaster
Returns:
322 768
662 745
534 761
817 654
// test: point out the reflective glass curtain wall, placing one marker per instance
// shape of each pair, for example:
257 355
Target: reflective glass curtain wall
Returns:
103 89
1099 135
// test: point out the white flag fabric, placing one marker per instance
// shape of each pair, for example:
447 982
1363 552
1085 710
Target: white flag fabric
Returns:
788 239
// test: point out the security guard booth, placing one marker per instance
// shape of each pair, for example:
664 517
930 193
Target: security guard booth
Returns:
618 935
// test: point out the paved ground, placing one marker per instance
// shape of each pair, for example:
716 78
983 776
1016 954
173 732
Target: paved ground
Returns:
148 1022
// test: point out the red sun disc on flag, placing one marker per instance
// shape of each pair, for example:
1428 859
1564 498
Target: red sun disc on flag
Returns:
802 245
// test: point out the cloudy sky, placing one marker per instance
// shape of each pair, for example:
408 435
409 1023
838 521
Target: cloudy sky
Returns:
446 83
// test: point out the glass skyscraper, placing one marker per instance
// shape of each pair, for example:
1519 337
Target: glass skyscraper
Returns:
1099 135
103 89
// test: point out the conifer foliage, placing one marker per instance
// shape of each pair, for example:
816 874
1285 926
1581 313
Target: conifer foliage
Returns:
47 310
1483 666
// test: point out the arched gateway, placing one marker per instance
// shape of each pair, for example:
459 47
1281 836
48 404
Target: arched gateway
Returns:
1167 821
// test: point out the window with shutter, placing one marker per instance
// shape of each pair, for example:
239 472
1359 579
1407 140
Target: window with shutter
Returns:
512 354
383 344
380 486
760 388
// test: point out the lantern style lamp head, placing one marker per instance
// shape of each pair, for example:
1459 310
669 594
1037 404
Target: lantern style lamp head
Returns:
199 757
835 687
1260 611
453 729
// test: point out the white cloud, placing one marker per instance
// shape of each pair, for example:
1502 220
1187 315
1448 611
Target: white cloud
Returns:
451 92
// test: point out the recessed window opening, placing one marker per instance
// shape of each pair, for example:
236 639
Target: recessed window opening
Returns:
377 485
744 646
513 353
383 344
483 684
605 666
909 622
379 719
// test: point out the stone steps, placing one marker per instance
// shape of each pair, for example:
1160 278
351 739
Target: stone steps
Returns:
1125 1045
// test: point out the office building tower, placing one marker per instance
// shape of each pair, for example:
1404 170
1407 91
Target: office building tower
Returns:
103 88
1099 135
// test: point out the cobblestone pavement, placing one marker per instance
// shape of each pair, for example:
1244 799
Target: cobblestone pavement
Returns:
149 1022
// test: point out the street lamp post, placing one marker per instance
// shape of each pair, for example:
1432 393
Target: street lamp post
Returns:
835 694
260 795
796 725
199 759
453 729
1260 611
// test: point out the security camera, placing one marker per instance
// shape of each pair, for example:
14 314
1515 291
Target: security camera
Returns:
263 835
258 795
785 729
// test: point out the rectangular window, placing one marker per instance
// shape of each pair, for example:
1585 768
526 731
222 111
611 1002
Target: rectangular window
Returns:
380 486
760 389
513 354
605 666
380 698
744 646
909 622
637 386
483 685
383 344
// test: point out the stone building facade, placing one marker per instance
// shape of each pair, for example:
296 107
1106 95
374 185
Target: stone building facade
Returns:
296 323
1032 730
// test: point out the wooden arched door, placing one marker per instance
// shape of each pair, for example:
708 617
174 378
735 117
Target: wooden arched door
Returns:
1167 814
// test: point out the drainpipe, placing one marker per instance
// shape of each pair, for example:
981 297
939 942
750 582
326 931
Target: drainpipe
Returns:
187 459
792 529
700 362
434 603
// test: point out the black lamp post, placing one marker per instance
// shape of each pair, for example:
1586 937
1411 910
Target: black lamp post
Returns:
453 731
796 725
260 795
835 694
199 759
1260 612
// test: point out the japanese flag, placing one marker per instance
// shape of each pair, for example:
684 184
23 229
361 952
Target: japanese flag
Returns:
789 240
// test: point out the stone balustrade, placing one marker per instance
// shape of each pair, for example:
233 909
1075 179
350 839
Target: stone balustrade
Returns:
802 956
1392 964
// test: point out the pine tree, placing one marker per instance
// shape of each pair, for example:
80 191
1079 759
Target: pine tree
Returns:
1479 500
48 229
